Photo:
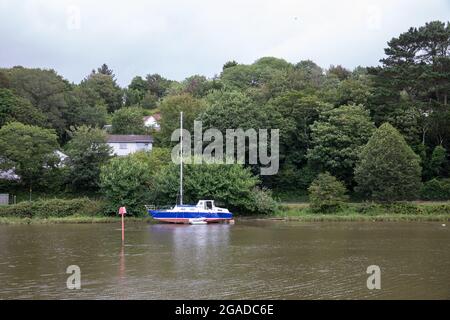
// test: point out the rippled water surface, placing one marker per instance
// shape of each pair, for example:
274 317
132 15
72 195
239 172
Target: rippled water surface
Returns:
251 259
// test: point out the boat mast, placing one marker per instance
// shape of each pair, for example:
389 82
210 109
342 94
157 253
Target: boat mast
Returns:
181 158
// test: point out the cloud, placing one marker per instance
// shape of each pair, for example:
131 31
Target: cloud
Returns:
180 38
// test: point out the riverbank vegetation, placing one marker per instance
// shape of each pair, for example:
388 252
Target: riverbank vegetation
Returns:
372 134
84 210
368 211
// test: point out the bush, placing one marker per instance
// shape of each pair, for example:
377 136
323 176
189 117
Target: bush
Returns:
264 202
53 208
388 169
436 189
125 181
326 193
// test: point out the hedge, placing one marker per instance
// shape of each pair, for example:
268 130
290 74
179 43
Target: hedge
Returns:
436 189
54 208
402 208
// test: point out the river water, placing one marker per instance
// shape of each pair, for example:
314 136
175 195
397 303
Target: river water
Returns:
248 260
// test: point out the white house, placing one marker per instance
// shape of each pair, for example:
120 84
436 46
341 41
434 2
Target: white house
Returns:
125 144
10 174
152 121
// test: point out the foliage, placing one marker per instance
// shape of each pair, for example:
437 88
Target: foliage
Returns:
128 120
417 65
326 193
28 150
14 108
86 107
46 90
388 169
128 181
105 86
436 189
54 208
437 162
170 115
337 138
87 151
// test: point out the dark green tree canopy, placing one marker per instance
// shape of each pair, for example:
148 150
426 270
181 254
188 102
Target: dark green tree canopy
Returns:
337 139
14 108
106 88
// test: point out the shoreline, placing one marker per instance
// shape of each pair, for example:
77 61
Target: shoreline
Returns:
273 218
300 212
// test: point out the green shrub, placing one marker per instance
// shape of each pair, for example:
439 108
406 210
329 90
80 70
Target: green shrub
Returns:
125 181
436 189
53 208
264 202
326 193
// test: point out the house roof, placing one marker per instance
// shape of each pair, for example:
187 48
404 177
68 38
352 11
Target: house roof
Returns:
118 138
156 117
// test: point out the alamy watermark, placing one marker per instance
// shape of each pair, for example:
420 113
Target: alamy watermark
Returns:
74 280
258 151
374 280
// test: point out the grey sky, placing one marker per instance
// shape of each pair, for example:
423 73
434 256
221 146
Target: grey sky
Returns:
180 38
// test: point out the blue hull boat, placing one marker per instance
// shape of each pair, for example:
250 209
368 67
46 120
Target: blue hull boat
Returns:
205 211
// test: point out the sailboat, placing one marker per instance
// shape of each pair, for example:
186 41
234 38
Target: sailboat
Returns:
203 212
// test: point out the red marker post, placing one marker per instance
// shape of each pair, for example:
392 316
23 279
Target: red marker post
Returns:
122 212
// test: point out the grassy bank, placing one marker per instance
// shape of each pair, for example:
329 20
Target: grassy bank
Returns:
76 219
83 210
404 211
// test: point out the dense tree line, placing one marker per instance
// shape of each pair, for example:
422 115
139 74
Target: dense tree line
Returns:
328 118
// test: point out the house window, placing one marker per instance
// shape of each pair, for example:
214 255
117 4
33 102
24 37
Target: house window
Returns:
123 146
142 146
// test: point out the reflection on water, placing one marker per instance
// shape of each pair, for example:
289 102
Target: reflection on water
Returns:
255 260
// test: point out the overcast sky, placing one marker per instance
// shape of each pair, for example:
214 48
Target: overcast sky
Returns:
180 38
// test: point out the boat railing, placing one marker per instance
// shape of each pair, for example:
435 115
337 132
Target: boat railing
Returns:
159 207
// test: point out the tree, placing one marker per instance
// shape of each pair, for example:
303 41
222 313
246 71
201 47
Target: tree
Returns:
197 86
436 165
4 81
337 138
106 88
86 108
158 85
14 108
302 111
28 150
128 120
46 90
170 115
306 75
326 193
417 65
264 78
135 92
125 181
388 169
339 71
104 69
229 64
87 151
